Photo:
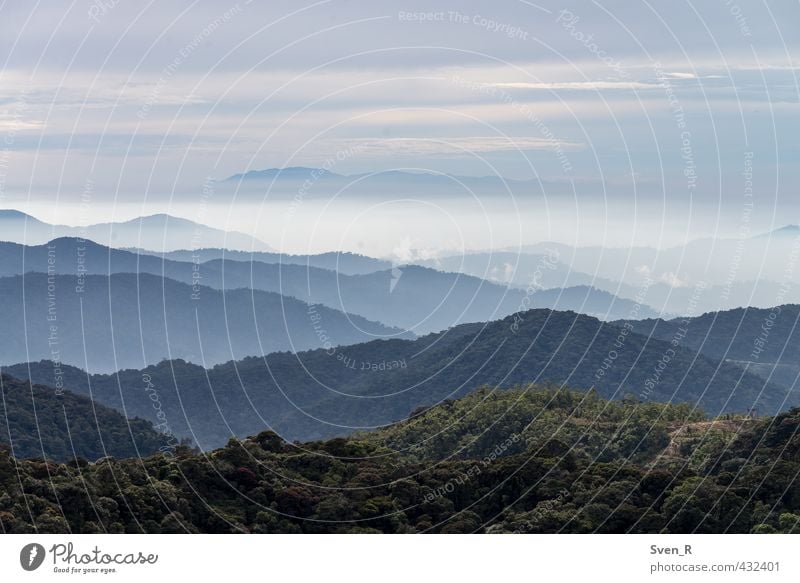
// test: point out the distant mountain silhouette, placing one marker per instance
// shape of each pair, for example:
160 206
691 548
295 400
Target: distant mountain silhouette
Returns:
543 269
720 263
343 262
703 275
291 172
104 323
320 183
791 231
321 393
160 232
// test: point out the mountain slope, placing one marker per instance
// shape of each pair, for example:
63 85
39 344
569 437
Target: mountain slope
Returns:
765 341
322 393
532 460
40 421
121 321
410 297
592 302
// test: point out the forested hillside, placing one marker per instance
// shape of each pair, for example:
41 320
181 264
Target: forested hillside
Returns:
530 460
325 393
38 421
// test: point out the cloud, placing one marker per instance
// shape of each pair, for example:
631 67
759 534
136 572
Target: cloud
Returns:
673 280
579 85
9 124
676 75
450 146
277 83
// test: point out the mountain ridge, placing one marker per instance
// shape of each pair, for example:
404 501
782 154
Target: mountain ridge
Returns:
417 298
107 322
324 393
171 231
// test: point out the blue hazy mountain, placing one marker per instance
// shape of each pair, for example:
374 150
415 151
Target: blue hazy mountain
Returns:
764 341
322 393
543 269
722 262
160 232
410 297
709 274
107 322
341 261
321 183
302 173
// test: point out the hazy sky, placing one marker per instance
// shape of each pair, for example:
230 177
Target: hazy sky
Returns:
141 102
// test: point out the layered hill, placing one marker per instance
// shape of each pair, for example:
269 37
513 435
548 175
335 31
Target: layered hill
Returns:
765 341
533 460
323 393
342 262
409 297
103 323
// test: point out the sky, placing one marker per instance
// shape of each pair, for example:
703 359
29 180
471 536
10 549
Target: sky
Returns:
668 118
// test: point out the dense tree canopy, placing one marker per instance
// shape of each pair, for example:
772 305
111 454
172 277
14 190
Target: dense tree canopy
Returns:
41 421
535 459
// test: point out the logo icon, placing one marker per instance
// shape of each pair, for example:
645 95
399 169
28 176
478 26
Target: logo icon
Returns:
397 273
31 556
